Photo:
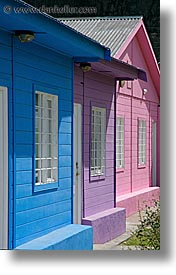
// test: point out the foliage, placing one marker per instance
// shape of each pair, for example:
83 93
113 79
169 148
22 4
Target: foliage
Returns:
147 235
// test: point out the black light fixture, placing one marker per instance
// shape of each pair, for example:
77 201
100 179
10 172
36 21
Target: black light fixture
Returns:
25 36
85 67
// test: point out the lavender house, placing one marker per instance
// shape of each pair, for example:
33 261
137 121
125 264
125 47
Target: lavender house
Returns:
94 141
119 151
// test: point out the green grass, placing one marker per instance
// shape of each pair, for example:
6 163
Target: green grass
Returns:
132 241
142 238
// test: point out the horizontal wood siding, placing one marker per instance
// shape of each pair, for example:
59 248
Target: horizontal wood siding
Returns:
132 105
133 178
36 68
98 91
6 81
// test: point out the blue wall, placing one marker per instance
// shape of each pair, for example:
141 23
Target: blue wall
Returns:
35 68
6 80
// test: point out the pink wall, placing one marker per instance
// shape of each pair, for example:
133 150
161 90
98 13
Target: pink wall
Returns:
132 105
158 148
98 91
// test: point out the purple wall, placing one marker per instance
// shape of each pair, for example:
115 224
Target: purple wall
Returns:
98 91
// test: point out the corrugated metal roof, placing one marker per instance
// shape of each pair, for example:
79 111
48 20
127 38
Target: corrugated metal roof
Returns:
110 32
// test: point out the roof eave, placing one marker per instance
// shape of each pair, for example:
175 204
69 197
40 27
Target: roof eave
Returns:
150 57
143 38
118 70
49 32
128 40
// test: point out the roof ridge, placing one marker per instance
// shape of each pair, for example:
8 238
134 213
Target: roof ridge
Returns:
101 18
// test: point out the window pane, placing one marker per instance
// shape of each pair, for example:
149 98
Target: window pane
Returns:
98 141
120 142
142 142
46 138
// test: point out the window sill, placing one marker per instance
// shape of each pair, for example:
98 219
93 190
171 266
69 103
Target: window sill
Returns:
97 178
142 166
120 170
44 187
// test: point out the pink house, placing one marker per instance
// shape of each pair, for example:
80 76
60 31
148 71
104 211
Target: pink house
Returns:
119 174
137 179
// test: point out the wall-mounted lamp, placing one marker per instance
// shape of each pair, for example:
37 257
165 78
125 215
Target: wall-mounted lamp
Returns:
121 83
144 91
85 67
25 36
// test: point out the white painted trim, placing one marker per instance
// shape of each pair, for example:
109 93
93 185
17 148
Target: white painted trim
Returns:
3 168
120 141
99 169
47 168
77 168
142 139
154 154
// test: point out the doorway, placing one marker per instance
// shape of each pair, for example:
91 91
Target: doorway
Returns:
3 168
154 154
77 188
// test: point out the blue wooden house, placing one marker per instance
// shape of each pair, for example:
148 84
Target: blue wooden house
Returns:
37 56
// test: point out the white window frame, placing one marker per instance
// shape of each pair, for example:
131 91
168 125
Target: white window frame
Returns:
46 138
120 122
142 137
98 141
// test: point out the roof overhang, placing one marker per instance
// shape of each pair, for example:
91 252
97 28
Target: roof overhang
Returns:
49 32
149 56
119 70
